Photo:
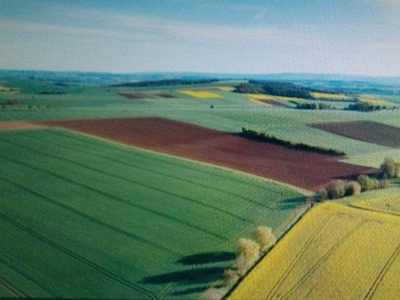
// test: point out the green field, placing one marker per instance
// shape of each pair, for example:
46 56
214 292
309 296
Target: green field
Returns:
229 113
86 218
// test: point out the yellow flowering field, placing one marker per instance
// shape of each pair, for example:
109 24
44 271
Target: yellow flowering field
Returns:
374 100
333 97
200 94
261 97
334 252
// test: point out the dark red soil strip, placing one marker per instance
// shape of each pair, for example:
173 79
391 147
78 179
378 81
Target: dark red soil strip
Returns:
366 131
135 96
304 169
163 95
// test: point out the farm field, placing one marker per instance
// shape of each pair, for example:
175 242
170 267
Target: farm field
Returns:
230 113
334 252
140 224
131 223
387 204
299 168
366 131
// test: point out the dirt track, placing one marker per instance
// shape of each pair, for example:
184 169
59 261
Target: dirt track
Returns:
299 168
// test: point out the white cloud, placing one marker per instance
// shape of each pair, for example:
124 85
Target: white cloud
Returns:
32 27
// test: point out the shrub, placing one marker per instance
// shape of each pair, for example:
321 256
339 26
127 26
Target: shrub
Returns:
369 184
383 184
248 252
265 237
322 195
230 277
212 293
336 189
390 169
352 188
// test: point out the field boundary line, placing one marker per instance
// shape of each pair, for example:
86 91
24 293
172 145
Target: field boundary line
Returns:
322 259
143 151
279 238
242 197
382 274
80 258
312 237
265 179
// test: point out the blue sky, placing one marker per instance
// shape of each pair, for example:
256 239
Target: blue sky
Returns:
359 37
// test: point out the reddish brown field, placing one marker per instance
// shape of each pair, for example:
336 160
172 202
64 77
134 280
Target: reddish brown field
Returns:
135 96
366 131
299 168
18 126
165 95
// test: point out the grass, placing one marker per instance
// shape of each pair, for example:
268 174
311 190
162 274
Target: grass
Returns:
334 252
131 223
230 113
389 204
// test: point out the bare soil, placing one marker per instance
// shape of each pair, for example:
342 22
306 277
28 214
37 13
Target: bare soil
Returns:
366 131
300 168
135 96
18 126
165 95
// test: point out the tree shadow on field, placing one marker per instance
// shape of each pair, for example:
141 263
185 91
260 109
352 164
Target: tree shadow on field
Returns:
200 270
291 203
206 258
193 276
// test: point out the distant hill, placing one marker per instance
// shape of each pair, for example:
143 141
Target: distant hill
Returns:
284 89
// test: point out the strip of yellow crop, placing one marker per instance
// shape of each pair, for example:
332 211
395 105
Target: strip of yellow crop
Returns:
333 97
200 94
226 88
334 252
8 89
374 100
261 97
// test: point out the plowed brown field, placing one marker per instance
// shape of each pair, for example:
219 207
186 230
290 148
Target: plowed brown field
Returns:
299 168
366 131
135 96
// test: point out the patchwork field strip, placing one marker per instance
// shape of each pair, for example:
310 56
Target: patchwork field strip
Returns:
135 96
366 131
329 255
114 215
18 126
299 168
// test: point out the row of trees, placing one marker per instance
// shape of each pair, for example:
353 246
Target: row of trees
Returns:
248 252
389 169
263 137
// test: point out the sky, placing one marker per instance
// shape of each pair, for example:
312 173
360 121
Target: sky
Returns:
354 37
